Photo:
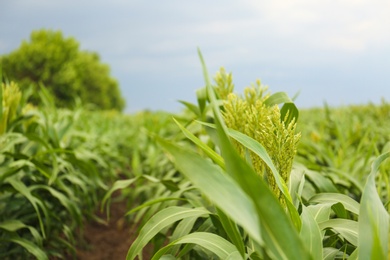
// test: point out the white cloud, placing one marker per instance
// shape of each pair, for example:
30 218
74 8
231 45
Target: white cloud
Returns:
342 26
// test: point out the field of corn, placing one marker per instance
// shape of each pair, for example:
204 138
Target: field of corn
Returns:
234 176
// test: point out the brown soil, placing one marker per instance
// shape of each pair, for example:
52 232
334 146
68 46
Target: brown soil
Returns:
109 241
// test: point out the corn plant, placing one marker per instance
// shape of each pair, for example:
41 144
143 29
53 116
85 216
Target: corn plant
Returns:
240 213
354 137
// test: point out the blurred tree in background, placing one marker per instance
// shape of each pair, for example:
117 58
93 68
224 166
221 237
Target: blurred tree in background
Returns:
67 72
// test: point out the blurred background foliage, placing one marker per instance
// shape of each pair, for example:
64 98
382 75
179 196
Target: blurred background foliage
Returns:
56 62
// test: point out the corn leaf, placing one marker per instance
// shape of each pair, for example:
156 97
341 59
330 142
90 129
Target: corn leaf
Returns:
183 228
333 198
277 98
30 247
214 243
216 185
373 219
118 185
159 221
35 202
212 154
310 232
232 231
191 107
348 229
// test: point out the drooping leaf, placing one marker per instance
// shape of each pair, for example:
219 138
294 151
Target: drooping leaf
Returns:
348 229
30 247
216 185
35 202
349 203
214 243
321 211
118 185
278 98
160 220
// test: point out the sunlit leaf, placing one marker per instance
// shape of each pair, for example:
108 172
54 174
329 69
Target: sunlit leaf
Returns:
373 219
159 221
214 243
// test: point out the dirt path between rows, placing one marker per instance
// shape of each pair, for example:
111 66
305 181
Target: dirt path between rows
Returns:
109 242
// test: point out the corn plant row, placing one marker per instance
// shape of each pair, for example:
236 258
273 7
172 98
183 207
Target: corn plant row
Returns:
55 166
244 188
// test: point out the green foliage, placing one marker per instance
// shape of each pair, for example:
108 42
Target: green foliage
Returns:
54 168
199 186
324 218
56 62
258 116
10 99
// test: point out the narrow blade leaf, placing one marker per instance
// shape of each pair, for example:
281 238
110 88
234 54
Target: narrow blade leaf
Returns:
373 219
159 221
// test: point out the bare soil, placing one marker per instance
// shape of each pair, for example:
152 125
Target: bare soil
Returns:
109 241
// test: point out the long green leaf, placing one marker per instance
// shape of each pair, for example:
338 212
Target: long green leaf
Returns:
333 198
216 185
373 219
311 233
152 202
191 107
183 228
278 98
214 243
348 229
30 247
118 185
159 221
321 212
323 184
212 154
69 205
330 253
13 225
232 231
36 203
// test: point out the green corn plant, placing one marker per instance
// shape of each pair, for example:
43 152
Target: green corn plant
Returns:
245 219
10 96
240 196
254 116
355 136
54 170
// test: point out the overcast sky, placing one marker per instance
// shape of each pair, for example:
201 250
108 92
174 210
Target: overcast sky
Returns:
333 51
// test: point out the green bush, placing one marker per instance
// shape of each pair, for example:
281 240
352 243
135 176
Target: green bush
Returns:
67 72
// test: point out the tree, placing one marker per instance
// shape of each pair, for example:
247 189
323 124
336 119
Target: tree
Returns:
58 64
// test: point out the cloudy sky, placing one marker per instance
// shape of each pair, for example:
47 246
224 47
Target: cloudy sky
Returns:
331 51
